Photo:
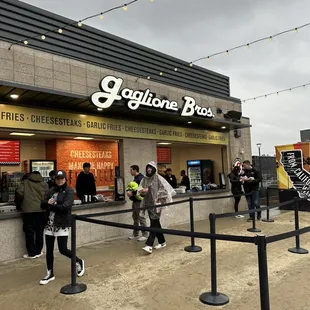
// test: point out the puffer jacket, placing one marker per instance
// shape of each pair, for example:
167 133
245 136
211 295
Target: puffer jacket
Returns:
30 193
63 206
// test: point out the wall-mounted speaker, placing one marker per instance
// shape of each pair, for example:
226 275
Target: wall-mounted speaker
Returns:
233 115
237 133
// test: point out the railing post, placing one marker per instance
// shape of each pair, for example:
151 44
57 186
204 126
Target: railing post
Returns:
263 272
213 298
192 247
268 219
253 228
73 288
297 249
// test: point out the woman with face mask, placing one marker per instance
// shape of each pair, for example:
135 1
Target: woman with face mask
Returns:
156 191
58 203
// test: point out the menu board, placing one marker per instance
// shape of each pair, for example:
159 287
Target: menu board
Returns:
9 152
163 155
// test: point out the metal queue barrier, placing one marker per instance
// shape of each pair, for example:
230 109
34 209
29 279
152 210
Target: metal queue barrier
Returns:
213 297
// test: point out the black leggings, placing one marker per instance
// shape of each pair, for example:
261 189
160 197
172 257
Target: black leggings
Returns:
62 246
237 200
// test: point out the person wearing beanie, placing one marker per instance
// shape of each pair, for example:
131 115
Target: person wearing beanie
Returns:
156 191
51 181
57 204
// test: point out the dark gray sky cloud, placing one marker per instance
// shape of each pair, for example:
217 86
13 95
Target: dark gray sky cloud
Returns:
196 28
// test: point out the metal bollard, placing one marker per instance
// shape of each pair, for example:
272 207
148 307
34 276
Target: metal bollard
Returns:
253 228
73 288
213 298
192 247
297 249
263 272
268 219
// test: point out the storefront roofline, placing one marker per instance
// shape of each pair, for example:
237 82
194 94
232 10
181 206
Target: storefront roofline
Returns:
56 100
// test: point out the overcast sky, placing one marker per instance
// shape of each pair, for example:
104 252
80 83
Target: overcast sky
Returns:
190 29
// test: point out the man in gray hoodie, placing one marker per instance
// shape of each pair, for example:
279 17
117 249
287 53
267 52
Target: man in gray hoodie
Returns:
29 194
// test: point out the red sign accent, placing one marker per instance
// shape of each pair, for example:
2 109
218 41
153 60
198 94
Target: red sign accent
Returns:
9 152
163 155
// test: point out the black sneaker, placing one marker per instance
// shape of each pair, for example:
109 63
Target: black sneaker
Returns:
80 268
49 277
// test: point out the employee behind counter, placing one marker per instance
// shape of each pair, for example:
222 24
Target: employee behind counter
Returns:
85 184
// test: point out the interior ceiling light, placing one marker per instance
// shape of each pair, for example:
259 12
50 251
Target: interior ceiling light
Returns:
21 134
164 143
83 138
14 96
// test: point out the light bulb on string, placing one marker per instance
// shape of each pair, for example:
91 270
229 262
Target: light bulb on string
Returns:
148 77
248 45
191 64
175 69
43 37
25 42
101 16
60 30
277 93
160 73
80 24
227 52
125 8
296 30
208 58
270 39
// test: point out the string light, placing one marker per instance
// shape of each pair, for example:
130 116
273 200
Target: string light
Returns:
276 92
175 69
43 37
191 64
270 37
79 23
227 52
160 73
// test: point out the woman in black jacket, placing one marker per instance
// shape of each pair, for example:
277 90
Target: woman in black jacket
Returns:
58 203
236 187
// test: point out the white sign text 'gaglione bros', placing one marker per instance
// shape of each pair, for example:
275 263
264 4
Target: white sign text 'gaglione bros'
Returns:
111 91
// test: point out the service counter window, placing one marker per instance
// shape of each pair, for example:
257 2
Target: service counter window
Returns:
196 167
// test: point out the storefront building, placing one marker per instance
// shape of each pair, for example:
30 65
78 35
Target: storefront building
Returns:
87 96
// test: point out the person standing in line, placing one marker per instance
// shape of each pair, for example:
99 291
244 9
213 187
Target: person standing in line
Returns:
171 179
185 180
251 179
28 198
137 216
85 183
156 191
51 181
236 188
58 203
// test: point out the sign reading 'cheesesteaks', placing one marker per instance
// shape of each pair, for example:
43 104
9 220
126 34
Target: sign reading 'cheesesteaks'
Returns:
53 121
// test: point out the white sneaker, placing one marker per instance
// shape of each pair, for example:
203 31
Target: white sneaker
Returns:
148 249
160 246
80 268
142 238
39 255
26 256
132 237
49 277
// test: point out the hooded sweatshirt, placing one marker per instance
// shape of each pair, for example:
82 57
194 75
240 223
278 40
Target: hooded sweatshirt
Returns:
159 191
30 192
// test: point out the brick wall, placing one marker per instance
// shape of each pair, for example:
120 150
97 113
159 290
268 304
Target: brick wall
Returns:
71 154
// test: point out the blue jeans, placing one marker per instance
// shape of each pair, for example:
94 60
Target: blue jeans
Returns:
253 202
